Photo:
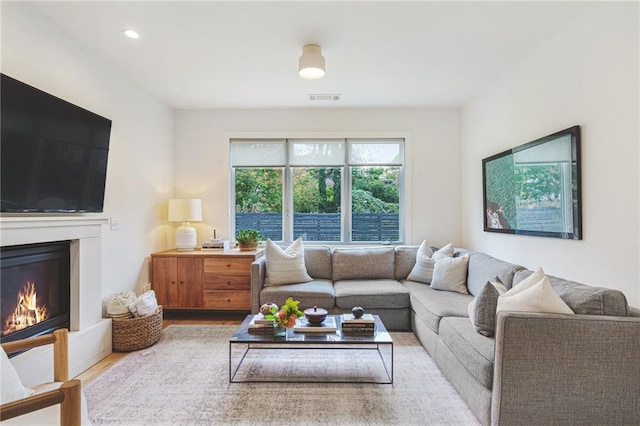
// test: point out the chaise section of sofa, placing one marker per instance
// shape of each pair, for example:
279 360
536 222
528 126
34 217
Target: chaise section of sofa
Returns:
510 378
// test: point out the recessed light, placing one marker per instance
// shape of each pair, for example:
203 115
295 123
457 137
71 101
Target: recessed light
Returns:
131 33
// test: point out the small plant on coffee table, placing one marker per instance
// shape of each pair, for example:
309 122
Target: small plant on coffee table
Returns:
287 315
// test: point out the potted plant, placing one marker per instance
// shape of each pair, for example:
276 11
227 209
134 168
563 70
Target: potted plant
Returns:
248 239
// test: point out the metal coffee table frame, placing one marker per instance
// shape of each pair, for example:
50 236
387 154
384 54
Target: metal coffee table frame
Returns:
322 341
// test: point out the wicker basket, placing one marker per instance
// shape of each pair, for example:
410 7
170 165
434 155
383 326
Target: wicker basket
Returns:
133 334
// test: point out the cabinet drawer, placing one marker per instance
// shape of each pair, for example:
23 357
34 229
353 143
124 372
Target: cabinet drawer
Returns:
226 282
228 265
240 300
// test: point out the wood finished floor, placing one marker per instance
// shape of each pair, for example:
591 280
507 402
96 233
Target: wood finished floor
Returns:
169 318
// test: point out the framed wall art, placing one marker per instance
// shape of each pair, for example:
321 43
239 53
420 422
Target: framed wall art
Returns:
535 188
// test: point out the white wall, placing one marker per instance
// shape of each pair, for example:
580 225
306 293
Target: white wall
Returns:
588 75
140 168
433 158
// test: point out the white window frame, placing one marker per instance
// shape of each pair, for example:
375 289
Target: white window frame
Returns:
404 183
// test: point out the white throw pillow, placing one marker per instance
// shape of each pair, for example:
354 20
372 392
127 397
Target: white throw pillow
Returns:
12 387
425 261
533 297
450 274
532 279
285 266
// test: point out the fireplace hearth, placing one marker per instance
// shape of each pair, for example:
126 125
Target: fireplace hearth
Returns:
34 289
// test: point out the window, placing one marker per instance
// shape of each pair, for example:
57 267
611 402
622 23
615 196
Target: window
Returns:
323 190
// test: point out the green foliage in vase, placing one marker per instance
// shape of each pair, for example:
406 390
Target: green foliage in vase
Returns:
248 236
287 315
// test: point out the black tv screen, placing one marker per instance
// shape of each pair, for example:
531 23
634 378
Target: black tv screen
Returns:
53 154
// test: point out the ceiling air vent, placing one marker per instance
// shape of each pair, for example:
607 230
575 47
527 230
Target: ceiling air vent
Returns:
324 96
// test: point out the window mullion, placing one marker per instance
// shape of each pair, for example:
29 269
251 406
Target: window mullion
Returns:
287 204
346 196
232 199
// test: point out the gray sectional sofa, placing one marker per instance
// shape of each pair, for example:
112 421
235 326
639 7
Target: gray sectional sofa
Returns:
537 369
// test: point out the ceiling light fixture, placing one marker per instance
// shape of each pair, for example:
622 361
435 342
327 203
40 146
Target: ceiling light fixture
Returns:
311 63
131 33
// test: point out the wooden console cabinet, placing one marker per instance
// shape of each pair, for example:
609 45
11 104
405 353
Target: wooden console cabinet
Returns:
203 279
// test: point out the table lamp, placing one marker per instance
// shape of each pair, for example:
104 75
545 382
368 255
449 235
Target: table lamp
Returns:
185 210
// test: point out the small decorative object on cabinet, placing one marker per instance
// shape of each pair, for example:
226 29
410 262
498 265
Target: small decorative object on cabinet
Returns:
248 239
206 280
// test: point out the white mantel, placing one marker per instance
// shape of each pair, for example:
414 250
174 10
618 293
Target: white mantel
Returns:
90 334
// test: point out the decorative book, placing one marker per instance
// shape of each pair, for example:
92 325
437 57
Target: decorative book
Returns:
366 330
260 319
260 323
327 326
365 319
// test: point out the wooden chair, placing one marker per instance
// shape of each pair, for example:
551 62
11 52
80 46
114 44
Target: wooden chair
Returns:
68 395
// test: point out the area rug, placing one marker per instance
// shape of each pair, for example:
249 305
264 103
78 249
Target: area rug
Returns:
184 380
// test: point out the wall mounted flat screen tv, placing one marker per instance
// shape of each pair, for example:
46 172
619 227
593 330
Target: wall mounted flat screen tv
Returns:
53 154
535 188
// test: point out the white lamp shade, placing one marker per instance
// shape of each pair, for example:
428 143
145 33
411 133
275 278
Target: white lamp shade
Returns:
311 63
185 210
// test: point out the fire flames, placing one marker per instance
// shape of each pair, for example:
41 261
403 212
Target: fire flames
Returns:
27 311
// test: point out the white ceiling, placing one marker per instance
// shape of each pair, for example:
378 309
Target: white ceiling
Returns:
238 54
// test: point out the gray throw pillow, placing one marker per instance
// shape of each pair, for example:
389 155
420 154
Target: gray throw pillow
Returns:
482 310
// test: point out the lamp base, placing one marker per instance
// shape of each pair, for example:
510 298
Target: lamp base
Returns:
186 237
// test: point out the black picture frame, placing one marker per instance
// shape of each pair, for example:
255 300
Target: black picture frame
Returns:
535 188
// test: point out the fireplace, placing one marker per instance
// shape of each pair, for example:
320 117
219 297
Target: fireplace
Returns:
35 289
90 334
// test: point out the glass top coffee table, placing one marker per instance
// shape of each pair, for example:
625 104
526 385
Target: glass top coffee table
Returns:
253 348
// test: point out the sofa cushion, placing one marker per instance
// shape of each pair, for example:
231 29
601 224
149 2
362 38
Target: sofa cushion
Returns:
363 263
432 305
285 266
318 293
483 268
370 294
317 259
450 274
584 299
472 349
405 259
